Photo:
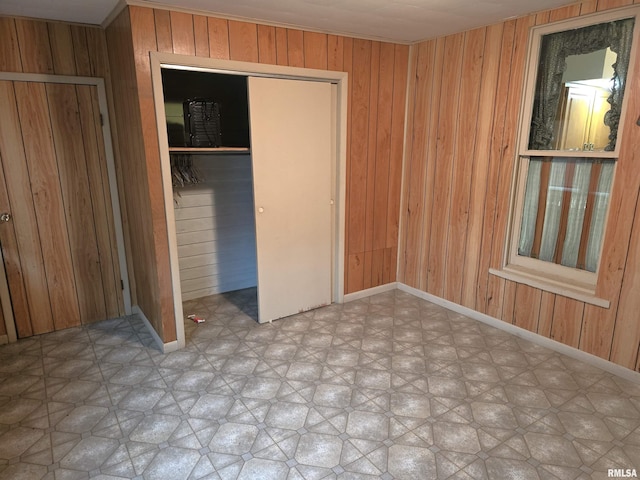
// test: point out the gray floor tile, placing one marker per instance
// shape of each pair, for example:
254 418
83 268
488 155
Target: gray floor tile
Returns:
386 387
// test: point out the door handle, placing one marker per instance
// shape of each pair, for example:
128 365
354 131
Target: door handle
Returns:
5 217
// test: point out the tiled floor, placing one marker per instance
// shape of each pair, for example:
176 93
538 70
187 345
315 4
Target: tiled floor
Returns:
387 387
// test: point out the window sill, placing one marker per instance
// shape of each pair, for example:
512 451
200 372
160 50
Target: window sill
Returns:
580 293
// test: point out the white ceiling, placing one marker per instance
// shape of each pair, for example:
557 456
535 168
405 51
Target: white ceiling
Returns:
394 20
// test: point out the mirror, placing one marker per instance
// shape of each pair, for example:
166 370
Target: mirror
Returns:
586 87
579 87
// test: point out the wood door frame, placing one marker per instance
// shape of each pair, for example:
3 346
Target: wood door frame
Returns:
113 186
339 80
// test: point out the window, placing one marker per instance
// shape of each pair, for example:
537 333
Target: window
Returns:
569 142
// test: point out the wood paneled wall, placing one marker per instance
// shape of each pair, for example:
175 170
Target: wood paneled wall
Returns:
377 92
3 327
33 46
141 183
464 98
41 47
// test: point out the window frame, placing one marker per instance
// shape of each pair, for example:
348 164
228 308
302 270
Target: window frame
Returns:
548 276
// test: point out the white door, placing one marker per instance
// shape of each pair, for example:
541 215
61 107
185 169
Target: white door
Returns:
290 124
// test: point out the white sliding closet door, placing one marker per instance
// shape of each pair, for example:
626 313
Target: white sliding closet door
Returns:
292 159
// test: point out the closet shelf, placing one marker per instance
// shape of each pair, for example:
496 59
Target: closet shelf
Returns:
208 150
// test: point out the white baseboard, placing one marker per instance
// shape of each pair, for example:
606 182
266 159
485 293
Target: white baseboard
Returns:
572 352
164 347
350 297
4 339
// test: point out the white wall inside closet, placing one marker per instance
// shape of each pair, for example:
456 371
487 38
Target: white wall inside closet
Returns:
215 227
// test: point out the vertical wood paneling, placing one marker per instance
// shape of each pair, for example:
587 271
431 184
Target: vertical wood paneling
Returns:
99 57
243 41
487 285
377 267
11 256
527 307
99 188
415 172
431 154
128 144
509 303
48 202
602 326
383 146
10 52
350 279
372 154
467 115
54 47
480 166
361 78
588 6
76 196
567 321
267 52
358 162
382 178
182 37
201 35
35 49
375 131
401 58
508 149
390 265
62 53
335 52
3 327
543 17
315 50
444 162
355 272
619 268
610 333
547 306
282 50
147 210
367 268
218 38
81 51
626 338
295 48
22 239
163 30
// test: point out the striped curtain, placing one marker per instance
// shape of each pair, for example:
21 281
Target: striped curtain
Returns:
564 212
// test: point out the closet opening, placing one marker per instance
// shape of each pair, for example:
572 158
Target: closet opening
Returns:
254 198
208 136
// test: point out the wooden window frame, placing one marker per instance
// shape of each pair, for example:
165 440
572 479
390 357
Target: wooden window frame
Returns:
548 276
